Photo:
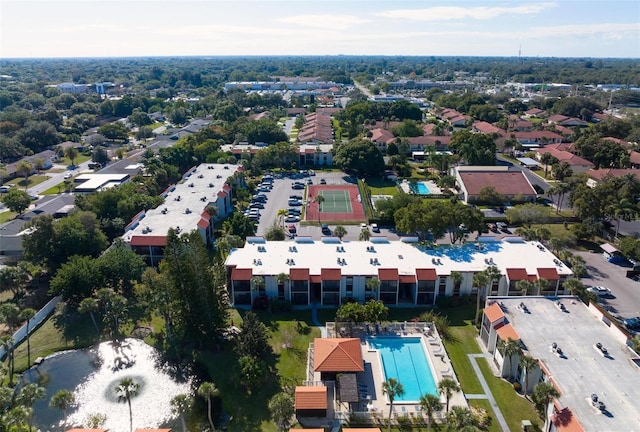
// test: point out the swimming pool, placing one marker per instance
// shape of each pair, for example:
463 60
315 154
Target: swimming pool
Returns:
419 188
405 360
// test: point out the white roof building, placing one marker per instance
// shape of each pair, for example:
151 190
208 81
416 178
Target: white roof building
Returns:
329 271
184 209
579 351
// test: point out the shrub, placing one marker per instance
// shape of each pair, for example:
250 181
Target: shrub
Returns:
517 387
278 306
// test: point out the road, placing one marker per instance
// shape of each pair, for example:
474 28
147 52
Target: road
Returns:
363 89
56 178
625 300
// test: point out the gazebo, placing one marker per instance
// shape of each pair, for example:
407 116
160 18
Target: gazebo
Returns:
337 355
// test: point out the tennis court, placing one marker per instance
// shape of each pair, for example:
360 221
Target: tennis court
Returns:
341 203
335 201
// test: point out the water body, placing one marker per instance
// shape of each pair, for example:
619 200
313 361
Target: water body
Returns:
93 374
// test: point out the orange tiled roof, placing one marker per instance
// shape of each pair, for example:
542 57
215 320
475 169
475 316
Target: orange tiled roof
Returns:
337 355
313 397
299 274
241 274
517 274
426 274
549 274
331 274
494 312
388 274
565 421
144 240
507 332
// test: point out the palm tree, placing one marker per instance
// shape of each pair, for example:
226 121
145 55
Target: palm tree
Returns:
180 405
462 419
547 160
208 390
340 232
542 394
257 284
456 277
373 284
524 286
127 388
319 199
510 348
391 388
282 213
365 234
480 280
26 315
62 400
71 153
6 342
282 279
28 396
430 403
541 285
90 305
447 387
623 210
24 168
527 363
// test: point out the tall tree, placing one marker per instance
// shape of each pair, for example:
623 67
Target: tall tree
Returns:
392 388
26 315
252 340
430 403
127 389
24 168
339 232
62 400
16 200
527 363
28 396
281 407
447 387
480 280
542 395
71 153
509 349
180 405
319 199
208 391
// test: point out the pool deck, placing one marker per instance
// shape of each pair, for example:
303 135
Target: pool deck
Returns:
373 400
431 185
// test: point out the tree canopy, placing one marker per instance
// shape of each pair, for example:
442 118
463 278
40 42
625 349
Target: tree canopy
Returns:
360 157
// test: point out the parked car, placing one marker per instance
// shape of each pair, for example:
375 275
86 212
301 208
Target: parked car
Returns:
264 189
292 218
297 186
323 181
296 197
291 228
294 211
259 197
294 202
364 226
375 228
67 175
600 291
312 172
325 229
309 181
256 205
632 323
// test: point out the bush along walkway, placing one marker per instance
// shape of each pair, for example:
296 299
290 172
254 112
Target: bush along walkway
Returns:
487 391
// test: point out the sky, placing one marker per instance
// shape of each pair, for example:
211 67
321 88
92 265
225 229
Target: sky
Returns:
113 28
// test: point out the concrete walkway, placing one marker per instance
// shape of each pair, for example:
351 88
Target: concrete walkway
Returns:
499 417
314 318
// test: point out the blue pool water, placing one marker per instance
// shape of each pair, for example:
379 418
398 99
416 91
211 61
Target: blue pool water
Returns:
419 188
405 360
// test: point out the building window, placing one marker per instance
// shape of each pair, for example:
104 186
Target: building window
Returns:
426 292
442 287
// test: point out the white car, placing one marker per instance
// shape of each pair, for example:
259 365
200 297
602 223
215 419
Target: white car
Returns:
68 175
375 228
364 226
600 291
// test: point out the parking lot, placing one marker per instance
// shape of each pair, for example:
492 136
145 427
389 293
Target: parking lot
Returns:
625 298
278 198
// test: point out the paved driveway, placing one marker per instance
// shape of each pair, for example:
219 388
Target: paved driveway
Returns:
625 299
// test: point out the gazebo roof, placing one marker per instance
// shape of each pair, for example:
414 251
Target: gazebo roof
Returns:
337 355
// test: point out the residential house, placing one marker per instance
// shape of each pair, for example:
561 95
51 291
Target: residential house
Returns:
487 128
511 184
577 163
537 138
596 176
535 112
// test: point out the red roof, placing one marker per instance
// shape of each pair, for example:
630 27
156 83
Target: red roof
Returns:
221 194
426 274
299 274
330 274
517 274
204 224
507 332
549 274
145 240
508 183
388 274
312 397
337 355
241 274
494 312
315 278
407 278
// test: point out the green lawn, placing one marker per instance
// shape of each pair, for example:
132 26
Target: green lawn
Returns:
485 405
77 161
6 216
32 181
382 187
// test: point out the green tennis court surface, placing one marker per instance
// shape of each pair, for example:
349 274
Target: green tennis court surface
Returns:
335 201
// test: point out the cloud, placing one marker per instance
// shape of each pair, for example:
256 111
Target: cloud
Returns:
339 22
610 30
449 13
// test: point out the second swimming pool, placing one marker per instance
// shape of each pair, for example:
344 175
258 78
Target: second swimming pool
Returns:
405 360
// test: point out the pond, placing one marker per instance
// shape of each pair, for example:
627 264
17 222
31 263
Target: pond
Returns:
92 374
